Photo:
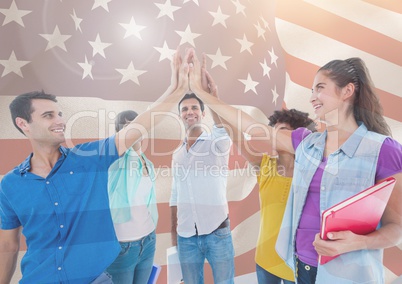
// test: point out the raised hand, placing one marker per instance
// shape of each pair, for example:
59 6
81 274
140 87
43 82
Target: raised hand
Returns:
213 88
196 75
174 66
183 71
204 78
208 84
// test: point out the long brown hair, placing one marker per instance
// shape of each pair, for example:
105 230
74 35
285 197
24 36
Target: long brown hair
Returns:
366 106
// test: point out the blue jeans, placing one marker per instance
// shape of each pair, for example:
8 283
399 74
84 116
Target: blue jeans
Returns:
265 277
305 274
216 247
134 263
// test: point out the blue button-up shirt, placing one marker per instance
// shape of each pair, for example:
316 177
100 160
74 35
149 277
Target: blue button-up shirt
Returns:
65 217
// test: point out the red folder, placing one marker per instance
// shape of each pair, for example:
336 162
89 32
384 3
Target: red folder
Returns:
360 213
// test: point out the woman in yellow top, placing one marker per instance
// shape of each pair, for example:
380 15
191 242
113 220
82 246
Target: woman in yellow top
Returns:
274 179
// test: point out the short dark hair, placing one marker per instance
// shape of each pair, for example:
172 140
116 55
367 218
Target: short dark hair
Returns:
123 117
21 106
192 96
293 117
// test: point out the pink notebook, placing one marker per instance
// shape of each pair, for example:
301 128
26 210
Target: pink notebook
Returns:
360 213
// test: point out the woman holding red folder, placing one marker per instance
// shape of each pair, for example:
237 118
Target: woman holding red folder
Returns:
354 152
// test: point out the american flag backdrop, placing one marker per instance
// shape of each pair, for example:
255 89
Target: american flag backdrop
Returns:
104 56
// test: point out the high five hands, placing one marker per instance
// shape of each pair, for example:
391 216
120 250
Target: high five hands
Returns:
190 75
179 80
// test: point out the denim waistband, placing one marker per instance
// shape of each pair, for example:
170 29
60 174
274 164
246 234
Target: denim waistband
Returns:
140 239
305 273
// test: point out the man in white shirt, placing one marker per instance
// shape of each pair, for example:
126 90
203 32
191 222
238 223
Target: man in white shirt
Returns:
200 224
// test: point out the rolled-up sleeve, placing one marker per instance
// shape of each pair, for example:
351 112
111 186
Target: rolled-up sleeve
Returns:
221 139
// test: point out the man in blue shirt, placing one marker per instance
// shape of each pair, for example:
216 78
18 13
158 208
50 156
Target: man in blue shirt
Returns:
58 196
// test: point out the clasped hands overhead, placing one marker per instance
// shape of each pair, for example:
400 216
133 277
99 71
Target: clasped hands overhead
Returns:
189 75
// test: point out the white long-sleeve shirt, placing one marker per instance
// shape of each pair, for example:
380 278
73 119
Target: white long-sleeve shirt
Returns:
199 183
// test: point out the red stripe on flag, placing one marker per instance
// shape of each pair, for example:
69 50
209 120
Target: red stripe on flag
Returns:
159 151
340 29
391 103
241 210
394 6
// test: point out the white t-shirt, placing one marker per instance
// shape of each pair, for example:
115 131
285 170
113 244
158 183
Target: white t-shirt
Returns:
141 223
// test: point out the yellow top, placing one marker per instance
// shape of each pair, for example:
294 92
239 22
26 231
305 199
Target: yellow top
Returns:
274 191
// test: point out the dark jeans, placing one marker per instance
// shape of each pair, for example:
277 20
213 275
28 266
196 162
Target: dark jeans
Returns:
305 274
265 277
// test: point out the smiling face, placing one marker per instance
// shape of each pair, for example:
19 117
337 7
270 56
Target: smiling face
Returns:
47 125
325 98
191 113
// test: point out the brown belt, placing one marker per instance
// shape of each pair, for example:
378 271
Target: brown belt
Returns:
224 224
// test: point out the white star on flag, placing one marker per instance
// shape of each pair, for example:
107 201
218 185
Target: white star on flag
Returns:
77 21
99 46
260 30
188 36
266 24
12 14
249 84
101 3
167 9
273 56
87 68
55 39
195 1
219 17
218 59
132 29
130 74
265 68
245 44
12 64
165 51
274 95
239 7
